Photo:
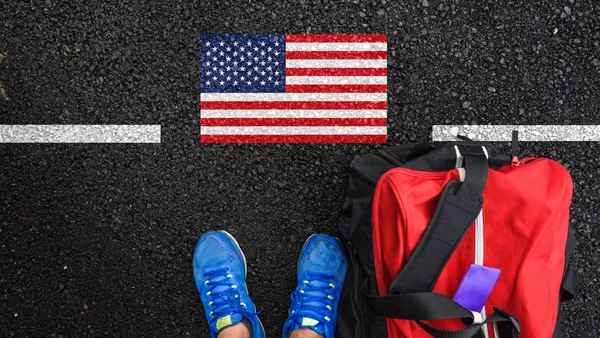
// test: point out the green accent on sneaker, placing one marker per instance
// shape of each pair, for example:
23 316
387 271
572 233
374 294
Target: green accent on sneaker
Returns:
309 322
223 322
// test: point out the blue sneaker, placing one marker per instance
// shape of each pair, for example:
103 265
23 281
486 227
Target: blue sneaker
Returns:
321 270
220 274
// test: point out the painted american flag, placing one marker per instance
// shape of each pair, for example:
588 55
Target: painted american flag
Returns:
295 88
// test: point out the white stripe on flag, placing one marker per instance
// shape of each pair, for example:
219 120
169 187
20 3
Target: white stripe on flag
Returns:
336 80
293 114
308 63
335 46
491 133
79 133
292 97
337 130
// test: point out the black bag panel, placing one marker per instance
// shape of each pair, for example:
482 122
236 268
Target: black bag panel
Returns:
354 317
398 155
372 166
567 288
355 205
364 174
558 330
348 322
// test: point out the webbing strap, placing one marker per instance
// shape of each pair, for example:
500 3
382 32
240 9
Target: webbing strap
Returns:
508 327
433 306
416 306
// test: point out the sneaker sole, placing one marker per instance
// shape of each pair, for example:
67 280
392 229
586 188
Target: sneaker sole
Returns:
245 266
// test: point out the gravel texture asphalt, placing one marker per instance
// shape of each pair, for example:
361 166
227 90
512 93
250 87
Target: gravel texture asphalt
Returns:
97 240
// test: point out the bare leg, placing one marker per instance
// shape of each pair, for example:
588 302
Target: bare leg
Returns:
235 331
304 333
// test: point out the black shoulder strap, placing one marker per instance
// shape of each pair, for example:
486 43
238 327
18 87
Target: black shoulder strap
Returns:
457 209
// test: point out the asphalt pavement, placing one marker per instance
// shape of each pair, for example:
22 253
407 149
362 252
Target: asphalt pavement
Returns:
97 239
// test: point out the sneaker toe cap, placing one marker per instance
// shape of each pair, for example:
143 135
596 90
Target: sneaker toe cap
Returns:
215 250
324 253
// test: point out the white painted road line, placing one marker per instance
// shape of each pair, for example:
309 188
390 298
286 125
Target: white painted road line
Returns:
491 133
79 133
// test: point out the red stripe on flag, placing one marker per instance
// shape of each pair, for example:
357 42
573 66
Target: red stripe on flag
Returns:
328 55
282 105
336 72
303 122
293 138
336 38
336 88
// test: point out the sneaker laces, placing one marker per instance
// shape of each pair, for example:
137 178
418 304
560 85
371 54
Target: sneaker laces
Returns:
314 300
225 296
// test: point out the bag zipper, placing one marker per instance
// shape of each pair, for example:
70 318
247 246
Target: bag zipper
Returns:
386 155
518 163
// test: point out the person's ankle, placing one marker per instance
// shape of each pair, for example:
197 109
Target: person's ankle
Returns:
238 330
305 333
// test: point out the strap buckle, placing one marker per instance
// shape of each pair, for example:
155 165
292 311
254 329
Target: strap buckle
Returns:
477 318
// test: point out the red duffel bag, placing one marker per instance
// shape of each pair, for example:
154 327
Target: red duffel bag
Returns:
455 240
